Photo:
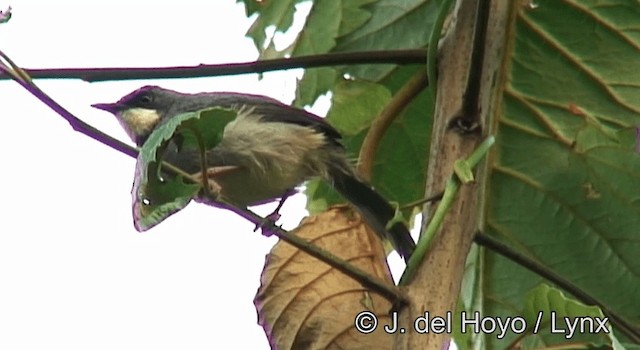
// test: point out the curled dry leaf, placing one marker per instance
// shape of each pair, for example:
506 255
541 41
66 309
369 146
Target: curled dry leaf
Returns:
304 303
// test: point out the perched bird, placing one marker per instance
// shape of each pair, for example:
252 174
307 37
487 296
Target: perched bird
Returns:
268 150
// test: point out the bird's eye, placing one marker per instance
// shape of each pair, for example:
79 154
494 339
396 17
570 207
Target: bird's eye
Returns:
146 99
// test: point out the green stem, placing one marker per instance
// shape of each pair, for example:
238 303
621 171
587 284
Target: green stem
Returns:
450 191
203 160
432 50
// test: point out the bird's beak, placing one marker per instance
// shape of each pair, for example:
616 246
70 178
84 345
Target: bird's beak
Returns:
109 107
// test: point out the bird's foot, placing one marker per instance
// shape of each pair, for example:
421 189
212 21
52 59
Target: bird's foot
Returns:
267 224
270 220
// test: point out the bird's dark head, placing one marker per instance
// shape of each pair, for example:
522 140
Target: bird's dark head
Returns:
140 111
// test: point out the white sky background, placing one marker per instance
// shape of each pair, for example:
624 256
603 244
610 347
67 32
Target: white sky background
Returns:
74 273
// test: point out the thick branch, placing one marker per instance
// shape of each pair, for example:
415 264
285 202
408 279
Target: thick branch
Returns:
436 284
416 56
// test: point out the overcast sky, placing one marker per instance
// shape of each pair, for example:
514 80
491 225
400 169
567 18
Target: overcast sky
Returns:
74 272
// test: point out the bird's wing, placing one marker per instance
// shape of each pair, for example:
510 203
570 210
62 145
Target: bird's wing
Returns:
275 111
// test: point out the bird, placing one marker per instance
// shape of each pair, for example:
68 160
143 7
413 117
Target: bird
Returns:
268 150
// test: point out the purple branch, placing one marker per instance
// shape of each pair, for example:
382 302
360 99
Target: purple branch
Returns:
390 292
77 124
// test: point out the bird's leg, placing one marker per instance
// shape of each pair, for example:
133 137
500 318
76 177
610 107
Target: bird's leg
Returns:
213 187
275 215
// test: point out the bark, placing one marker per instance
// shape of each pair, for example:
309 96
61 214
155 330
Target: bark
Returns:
437 283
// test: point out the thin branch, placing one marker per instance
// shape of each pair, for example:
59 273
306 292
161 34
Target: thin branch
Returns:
388 291
496 246
17 74
434 39
434 198
382 122
415 56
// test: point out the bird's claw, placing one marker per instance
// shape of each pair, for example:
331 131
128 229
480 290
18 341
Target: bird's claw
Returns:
273 217
267 223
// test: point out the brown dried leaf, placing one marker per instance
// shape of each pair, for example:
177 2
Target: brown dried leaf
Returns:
304 303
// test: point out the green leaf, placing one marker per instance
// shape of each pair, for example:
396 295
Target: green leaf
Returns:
326 21
393 25
314 82
321 29
402 151
563 180
156 194
320 196
318 36
549 309
354 105
470 298
270 13
383 25
354 15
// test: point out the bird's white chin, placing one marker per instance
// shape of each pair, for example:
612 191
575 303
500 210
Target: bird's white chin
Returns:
138 121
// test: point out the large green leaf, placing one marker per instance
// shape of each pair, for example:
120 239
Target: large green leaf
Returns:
389 25
350 119
563 185
393 25
399 171
326 21
401 158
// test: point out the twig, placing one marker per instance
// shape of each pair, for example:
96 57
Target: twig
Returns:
494 245
16 73
416 56
390 292
434 39
434 198
382 122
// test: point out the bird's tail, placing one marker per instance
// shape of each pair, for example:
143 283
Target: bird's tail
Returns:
376 211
